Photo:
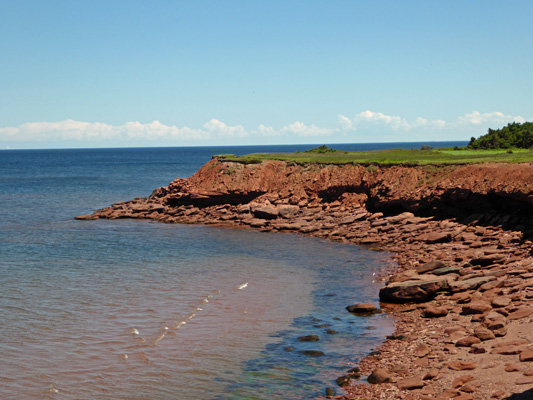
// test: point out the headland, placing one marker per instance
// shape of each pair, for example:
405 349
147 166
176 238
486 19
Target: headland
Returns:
462 291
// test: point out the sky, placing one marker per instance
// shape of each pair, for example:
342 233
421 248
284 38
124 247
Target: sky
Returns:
113 73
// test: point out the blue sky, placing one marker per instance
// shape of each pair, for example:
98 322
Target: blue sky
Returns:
180 73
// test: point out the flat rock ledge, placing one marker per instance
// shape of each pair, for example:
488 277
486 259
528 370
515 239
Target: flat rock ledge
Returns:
461 293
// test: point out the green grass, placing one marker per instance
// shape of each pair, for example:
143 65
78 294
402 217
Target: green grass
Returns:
391 157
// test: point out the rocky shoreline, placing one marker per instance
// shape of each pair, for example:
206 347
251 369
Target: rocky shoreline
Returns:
462 291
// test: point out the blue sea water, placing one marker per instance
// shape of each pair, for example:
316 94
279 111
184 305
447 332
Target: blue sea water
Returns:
129 309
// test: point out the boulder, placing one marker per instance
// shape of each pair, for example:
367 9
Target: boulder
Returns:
288 211
511 367
484 333
414 382
435 237
265 211
435 312
494 321
469 284
520 313
422 350
412 291
431 374
477 349
500 302
343 380
461 365
462 380
379 375
476 307
526 355
467 341
446 270
430 266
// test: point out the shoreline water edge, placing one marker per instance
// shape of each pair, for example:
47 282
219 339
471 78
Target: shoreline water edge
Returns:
462 291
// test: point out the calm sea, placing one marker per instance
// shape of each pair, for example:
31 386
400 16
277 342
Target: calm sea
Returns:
140 310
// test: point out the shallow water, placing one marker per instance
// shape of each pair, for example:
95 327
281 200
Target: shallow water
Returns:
129 309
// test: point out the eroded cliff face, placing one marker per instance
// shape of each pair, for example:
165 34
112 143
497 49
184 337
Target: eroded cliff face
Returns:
496 193
492 194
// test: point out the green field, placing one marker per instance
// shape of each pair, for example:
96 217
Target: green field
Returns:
391 157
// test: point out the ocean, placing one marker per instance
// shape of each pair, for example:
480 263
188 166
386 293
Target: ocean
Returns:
128 309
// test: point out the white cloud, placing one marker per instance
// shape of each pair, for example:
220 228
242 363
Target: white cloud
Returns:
345 122
265 131
392 121
219 128
300 129
370 126
69 130
496 119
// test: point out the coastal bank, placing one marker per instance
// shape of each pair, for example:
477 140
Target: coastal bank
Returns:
462 290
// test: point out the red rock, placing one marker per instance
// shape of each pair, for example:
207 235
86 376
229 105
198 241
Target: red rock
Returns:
461 380
470 283
467 341
526 355
434 237
498 394
449 393
453 329
484 333
379 375
421 362
429 266
422 350
435 312
499 302
411 291
461 365
508 349
494 321
461 297
477 349
520 313
476 307
86 217
525 380
410 383
432 374
467 389
528 372
511 367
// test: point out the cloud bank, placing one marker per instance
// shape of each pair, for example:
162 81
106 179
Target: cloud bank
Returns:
366 126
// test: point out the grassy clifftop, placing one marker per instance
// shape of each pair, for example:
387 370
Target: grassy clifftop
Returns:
323 155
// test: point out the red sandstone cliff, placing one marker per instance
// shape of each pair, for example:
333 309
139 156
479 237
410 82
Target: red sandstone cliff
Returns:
501 192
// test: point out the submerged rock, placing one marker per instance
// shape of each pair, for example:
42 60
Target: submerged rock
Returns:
363 308
309 338
312 353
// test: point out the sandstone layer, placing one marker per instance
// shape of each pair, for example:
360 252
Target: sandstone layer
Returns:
462 289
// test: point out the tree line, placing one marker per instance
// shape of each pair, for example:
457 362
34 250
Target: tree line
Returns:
514 135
